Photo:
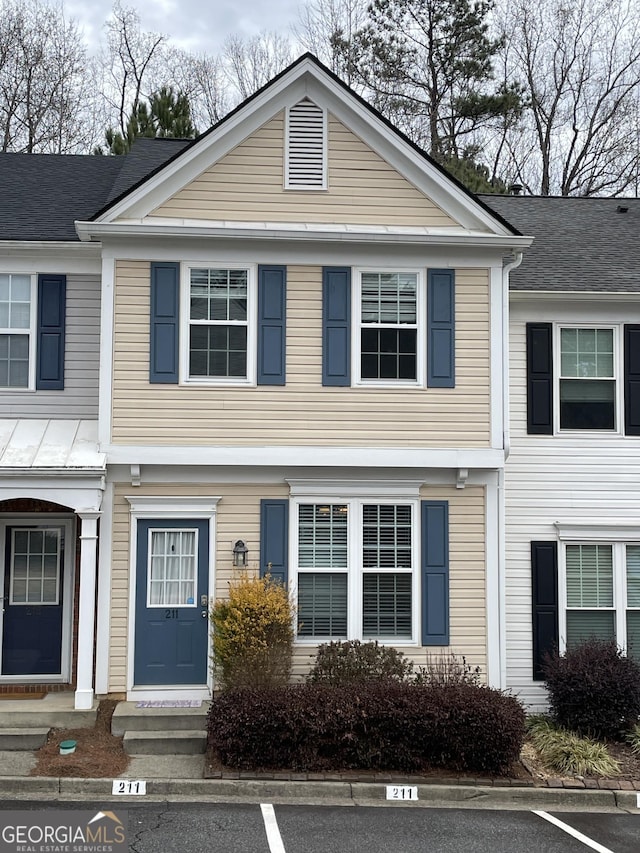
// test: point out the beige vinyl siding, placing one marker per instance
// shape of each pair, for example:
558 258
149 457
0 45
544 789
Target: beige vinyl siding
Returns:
467 590
238 516
247 185
302 412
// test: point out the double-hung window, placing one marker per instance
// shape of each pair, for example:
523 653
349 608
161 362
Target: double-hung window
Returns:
588 378
356 569
221 325
602 593
17 330
389 335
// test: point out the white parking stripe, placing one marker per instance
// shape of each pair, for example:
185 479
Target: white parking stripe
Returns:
271 828
574 833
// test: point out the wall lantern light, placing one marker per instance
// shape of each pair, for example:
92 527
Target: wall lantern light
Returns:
240 552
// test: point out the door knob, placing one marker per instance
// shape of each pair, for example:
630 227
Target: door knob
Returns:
204 614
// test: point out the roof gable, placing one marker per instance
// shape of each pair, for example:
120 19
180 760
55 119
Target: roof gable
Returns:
306 78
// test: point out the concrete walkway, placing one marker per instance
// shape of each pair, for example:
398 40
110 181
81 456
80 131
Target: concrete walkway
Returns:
180 777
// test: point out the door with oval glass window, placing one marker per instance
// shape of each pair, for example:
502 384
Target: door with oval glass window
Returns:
32 601
172 625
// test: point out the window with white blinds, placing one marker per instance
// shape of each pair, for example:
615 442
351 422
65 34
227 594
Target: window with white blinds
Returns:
356 569
306 147
603 594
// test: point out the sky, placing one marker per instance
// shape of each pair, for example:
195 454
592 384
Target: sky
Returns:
195 25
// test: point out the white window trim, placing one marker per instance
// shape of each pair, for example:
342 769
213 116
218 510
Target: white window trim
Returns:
31 332
325 154
355 498
252 324
619 609
421 337
618 378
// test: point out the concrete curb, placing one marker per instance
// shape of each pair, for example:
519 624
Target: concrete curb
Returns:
334 792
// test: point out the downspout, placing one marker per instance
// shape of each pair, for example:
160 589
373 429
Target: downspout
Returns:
502 524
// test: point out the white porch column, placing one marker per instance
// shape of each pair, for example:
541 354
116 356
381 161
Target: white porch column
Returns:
87 609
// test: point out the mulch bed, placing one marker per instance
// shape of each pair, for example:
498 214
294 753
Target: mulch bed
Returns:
99 754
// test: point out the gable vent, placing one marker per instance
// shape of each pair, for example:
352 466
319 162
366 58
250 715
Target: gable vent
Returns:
306 149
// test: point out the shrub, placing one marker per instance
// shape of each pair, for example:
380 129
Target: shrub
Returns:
252 634
352 661
633 739
567 753
375 726
593 689
446 669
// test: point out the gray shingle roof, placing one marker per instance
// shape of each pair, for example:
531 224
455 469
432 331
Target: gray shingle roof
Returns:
42 194
581 244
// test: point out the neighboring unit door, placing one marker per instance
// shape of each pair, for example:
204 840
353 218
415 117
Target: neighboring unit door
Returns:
172 594
32 601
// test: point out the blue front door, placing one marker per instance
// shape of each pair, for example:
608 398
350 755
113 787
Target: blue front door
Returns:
32 600
172 585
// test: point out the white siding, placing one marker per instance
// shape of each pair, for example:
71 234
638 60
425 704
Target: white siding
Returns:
589 478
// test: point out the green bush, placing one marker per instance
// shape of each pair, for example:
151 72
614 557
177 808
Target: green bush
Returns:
594 689
368 725
352 661
252 634
567 753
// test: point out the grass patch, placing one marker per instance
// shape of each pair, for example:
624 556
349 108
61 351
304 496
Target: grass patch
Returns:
567 753
633 738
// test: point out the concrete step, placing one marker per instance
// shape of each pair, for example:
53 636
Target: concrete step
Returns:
169 742
22 739
128 718
54 711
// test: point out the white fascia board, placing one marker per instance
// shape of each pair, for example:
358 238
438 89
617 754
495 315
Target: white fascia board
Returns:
49 257
299 231
572 296
307 80
368 457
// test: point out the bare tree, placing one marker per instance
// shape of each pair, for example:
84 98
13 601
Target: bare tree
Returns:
580 63
45 102
130 63
325 26
253 62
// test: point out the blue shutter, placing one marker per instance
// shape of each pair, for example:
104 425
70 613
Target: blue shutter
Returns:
274 539
272 306
441 341
632 380
165 300
539 379
435 573
336 326
52 293
544 601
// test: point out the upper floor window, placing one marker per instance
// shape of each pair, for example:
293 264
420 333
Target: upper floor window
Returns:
221 324
583 378
306 147
390 335
587 379
17 321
